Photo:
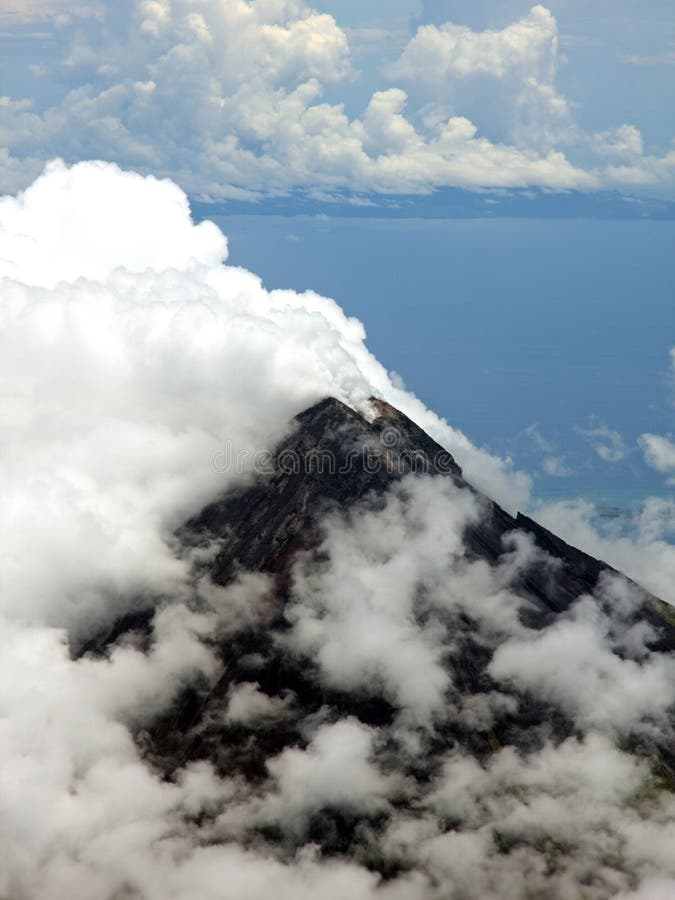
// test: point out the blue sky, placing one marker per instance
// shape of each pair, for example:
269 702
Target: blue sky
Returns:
256 99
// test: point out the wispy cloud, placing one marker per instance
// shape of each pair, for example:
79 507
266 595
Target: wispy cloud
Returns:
657 59
608 444
553 464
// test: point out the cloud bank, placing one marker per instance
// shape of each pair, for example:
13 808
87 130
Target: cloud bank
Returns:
227 98
130 352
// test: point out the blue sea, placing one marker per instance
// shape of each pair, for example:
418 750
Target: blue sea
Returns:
525 334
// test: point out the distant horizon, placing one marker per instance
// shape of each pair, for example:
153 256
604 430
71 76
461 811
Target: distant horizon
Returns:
452 203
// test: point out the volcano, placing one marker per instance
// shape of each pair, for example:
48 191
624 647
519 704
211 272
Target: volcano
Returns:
279 675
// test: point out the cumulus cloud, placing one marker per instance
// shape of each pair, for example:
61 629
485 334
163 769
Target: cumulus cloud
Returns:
573 664
124 371
357 617
505 81
509 75
460 51
130 354
659 453
625 141
228 100
55 230
335 770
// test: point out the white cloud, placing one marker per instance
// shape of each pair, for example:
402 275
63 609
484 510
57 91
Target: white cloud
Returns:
119 341
357 617
577 795
129 354
227 100
648 170
625 141
247 704
647 556
450 50
508 74
336 770
505 81
556 467
608 444
573 664
659 452
651 889
54 231
552 465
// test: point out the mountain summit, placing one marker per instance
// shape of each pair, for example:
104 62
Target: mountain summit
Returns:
333 459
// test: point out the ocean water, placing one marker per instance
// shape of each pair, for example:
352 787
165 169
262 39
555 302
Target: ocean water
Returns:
526 334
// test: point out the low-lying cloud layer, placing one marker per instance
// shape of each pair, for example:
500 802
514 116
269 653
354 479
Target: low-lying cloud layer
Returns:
129 354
